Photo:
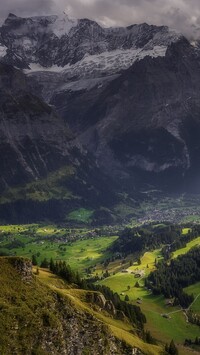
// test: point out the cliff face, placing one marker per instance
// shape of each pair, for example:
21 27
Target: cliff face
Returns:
28 129
59 40
44 174
37 320
143 128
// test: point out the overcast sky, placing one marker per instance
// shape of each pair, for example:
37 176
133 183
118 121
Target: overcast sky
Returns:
183 15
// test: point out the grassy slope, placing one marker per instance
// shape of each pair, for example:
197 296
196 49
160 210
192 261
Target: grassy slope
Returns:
42 190
22 309
160 327
120 329
193 243
195 290
24 306
81 215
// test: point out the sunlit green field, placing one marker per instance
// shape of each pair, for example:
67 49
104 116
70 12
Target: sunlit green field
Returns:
186 231
153 306
193 243
121 280
49 242
195 290
81 215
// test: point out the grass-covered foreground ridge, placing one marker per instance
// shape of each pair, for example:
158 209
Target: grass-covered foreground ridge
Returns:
42 314
121 260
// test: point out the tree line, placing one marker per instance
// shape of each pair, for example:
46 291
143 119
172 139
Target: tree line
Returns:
137 240
171 277
169 237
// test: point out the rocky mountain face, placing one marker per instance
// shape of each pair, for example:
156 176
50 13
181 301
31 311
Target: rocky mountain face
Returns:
148 122
44 174
26 128
130 96
61 41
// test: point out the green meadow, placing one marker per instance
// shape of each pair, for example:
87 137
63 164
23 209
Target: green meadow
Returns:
164 329
80 215
49 242
195 290
193 243
186 231
154 307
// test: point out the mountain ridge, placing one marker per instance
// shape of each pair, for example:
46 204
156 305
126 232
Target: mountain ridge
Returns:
27 39
128 95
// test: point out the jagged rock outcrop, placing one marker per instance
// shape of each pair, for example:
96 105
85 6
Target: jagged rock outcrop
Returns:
24 268
96 298
99 299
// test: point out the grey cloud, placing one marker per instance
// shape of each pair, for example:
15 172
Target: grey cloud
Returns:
182 15
25 7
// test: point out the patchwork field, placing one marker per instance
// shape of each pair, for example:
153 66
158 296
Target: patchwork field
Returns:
51 242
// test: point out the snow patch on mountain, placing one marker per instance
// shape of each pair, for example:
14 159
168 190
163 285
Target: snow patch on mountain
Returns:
61 25
114 61
35 67
105 63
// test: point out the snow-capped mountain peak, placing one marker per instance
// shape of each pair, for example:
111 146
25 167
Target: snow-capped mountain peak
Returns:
61 25
59 41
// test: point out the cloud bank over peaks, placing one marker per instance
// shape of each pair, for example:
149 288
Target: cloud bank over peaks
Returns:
182 15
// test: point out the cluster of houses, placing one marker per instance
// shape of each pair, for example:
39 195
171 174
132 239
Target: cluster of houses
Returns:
173 215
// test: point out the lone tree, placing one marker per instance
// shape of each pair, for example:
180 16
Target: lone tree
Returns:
126 298
172 350
45 263
34 260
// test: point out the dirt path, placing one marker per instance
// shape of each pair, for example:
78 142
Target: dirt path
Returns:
193 302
